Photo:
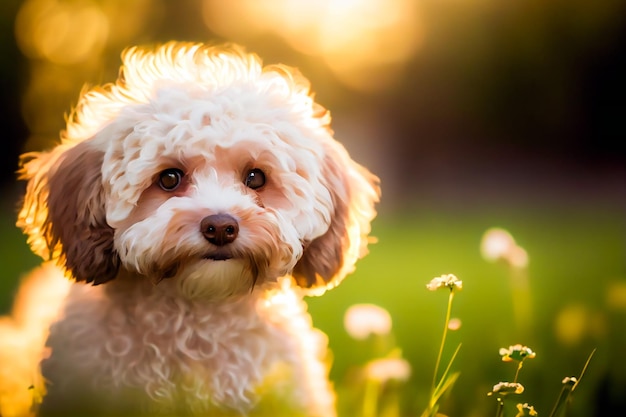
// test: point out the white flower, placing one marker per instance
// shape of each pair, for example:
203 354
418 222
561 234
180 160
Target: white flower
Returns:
387 369
525 410
496 244
445 281
505 388
516 352
570 380
362 320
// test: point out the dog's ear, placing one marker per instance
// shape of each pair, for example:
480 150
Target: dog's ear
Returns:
64 211
327 259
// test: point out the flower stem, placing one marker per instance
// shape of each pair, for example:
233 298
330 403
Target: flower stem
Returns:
521 300
566 391
370 401
500 409
519 367
443 341
559 401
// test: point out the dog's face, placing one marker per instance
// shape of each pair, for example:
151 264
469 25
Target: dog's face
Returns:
201 166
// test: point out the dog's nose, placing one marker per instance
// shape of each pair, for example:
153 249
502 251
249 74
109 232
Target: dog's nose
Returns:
219 229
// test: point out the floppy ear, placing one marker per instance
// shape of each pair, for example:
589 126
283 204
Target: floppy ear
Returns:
354 191
64 211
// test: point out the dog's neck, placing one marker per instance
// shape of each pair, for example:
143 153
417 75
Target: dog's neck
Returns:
129 287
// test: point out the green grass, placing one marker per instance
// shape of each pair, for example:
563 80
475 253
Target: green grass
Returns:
15 257
575 254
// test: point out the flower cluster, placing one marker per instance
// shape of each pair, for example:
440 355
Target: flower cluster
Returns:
570 381
516 353
506 388
524 410
445 281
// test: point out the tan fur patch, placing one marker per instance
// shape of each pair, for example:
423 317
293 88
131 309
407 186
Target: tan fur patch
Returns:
324 257
76 216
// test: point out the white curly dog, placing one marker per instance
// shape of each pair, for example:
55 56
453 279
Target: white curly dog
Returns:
202 195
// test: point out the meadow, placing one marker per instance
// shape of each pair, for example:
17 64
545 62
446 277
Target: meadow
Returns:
576 302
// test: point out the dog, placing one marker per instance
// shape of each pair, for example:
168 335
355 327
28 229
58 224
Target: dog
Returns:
192 204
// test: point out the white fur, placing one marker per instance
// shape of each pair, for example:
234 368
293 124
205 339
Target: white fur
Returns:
181 325
238 342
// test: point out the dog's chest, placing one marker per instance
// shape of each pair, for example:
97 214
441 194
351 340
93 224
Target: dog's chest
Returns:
170 350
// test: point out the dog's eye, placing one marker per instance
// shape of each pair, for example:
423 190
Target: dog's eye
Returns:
170 179
255 178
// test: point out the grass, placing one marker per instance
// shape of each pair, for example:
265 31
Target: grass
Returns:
576 260
15 257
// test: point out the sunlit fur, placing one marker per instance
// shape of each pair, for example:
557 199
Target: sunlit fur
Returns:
173 322
22 338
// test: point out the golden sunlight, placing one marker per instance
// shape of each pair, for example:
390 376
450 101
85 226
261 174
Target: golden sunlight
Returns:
364 42
36 303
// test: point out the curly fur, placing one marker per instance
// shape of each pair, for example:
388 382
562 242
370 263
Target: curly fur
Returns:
182 324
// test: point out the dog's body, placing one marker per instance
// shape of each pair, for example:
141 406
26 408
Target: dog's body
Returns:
207 195
256 352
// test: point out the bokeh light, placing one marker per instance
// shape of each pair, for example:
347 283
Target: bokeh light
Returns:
61 32
386 369
616 295
364 42
363 320
454 324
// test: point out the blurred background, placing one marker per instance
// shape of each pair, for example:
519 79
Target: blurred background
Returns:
474 113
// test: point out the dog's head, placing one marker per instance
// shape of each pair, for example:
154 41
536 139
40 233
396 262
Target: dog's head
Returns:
200 165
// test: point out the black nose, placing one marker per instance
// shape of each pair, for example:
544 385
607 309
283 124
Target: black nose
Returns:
219 229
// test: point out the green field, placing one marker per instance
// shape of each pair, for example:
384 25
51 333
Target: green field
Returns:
576 272
577 256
